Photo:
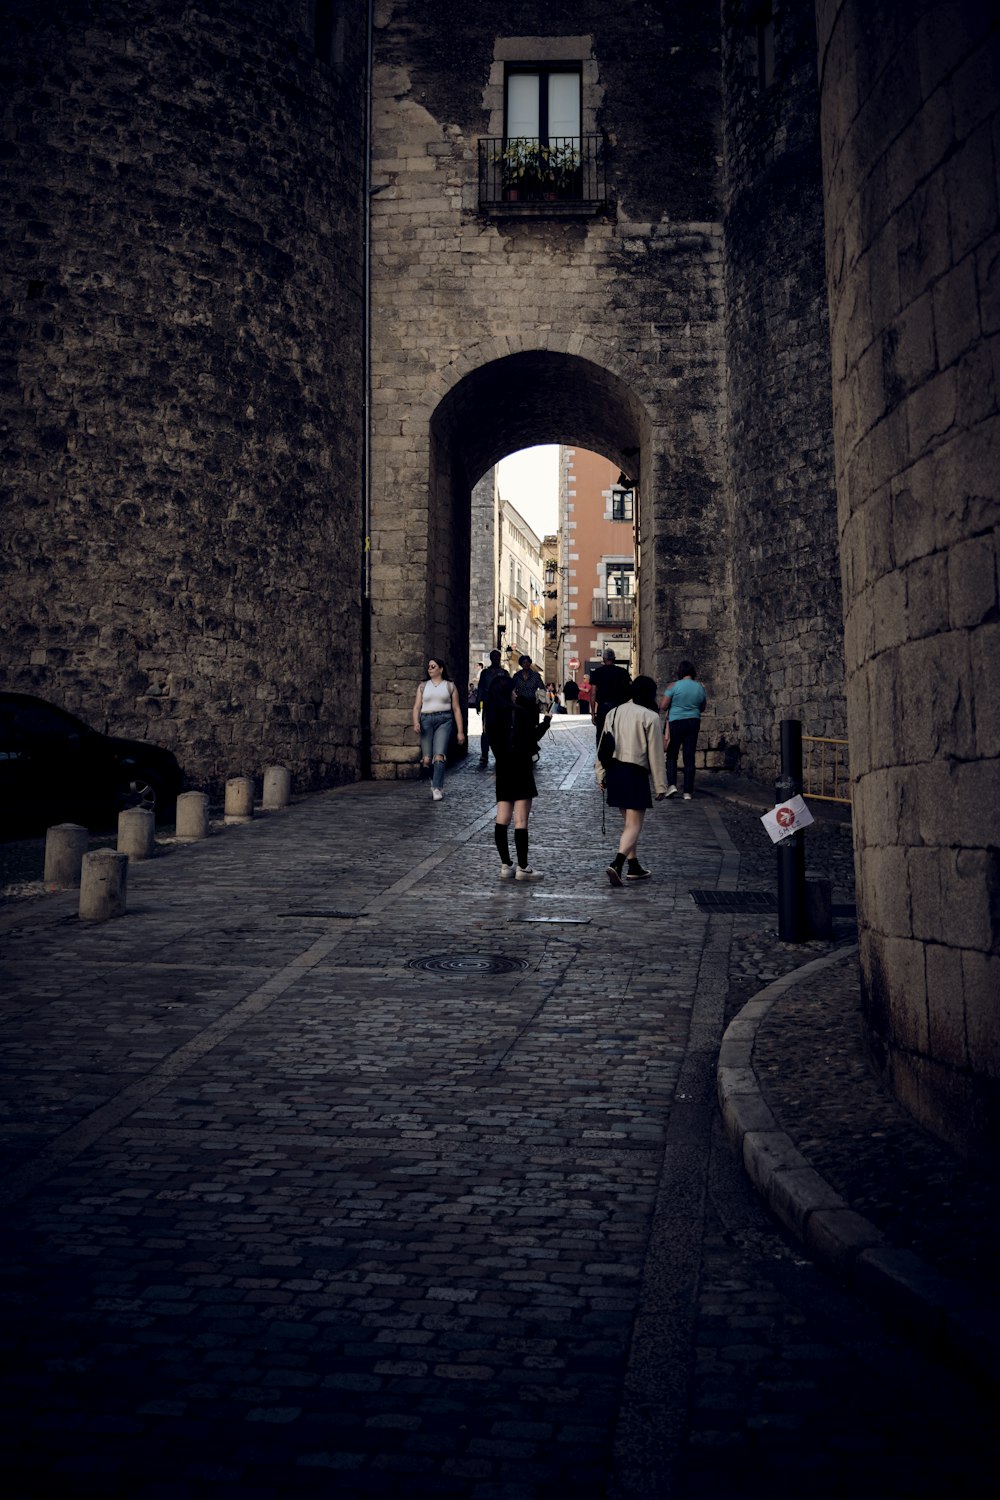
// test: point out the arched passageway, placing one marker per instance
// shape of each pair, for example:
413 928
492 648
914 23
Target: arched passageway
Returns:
420 560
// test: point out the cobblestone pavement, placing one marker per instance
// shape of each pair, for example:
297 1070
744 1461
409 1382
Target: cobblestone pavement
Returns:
287 1215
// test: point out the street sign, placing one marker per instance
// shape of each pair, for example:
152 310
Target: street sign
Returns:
573 663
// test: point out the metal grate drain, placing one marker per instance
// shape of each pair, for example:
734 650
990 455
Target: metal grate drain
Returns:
468 963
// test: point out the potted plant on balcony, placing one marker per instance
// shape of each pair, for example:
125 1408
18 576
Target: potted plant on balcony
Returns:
519 161
563 169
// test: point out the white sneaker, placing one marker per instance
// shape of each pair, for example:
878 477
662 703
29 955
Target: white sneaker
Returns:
527 874
687 797
671 791
507 872
437 794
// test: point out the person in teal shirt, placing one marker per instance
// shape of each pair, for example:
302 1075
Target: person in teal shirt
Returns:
683 704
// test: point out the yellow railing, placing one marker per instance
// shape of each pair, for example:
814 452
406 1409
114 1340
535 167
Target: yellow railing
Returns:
825 769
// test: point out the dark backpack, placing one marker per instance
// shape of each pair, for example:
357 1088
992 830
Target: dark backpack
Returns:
606 747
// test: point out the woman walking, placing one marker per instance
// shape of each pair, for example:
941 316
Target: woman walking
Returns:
514 737
436 714
683 704
638 755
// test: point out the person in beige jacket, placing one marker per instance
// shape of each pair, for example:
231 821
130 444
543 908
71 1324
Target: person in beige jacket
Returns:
638 756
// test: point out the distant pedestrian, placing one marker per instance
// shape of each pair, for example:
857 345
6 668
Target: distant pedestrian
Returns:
586 697
684 702
514 736
638 755
571 696
528 685
437 713
610 685
486 677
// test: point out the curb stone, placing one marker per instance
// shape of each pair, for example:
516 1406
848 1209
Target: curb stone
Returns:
953 1320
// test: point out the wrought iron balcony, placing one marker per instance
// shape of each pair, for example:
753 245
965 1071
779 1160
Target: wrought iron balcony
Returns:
521 174
613 611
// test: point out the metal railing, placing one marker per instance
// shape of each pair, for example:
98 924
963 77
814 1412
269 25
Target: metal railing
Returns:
613 611
521 170
826 770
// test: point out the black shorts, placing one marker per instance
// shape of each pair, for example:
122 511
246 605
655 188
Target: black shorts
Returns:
628 786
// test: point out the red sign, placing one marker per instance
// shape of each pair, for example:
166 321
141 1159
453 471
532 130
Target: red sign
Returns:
785 817
573 663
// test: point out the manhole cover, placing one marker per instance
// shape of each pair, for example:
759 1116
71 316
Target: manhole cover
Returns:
468 963
735 901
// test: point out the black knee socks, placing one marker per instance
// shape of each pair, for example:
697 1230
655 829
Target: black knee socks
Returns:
521 845
501 841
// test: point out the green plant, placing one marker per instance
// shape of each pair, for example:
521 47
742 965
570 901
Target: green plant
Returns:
528 166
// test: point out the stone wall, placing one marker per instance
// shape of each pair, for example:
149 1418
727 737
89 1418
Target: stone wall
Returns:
491 332
181 364
910 126
786 569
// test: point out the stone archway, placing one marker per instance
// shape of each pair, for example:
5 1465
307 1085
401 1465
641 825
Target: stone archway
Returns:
496 398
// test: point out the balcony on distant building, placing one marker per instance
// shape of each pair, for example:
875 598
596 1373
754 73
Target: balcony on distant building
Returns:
524 175
613 611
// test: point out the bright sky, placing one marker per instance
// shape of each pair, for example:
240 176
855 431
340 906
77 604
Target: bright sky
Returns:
530 481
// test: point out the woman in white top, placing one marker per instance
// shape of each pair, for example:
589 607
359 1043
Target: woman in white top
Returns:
638 756
436 713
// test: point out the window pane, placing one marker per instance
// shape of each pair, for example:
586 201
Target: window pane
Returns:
564 104
522 104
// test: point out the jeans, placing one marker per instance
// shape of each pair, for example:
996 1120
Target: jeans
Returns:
683 735
435 737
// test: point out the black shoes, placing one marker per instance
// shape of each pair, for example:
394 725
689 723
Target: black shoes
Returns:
636 872
614 874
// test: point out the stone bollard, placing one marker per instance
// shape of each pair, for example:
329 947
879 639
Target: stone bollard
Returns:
136 833
103 881
277 788
239 799
65 846
192 815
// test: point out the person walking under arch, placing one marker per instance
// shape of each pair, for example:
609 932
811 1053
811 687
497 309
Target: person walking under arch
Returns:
636 729
610 685
683 703
486 677
514 736
437 713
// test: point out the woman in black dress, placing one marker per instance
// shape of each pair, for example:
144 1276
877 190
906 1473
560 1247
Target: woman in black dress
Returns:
514 734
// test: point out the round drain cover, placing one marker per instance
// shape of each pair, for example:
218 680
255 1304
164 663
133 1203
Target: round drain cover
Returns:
468 963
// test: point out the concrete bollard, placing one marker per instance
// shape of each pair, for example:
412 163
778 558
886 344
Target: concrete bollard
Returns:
239 799
65 846
192 815
136 833
277 788
103 882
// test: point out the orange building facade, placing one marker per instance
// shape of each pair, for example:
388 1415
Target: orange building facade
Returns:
598 567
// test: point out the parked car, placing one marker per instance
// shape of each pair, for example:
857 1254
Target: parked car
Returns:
55 769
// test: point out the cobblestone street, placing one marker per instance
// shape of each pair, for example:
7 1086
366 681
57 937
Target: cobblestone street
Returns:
338 1167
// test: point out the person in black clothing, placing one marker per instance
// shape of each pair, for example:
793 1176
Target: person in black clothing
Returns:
571 696
610 686
486 677
514 735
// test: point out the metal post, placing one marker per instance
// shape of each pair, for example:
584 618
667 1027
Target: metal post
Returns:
792 925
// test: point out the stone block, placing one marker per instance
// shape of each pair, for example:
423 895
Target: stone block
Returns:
956 311
972 193
904 964
972 581
927 598
923 880
981 994
946 1006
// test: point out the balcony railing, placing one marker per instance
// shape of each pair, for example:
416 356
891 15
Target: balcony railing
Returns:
613 611
523 174
519 595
